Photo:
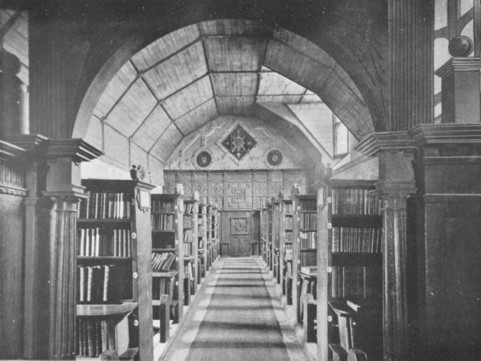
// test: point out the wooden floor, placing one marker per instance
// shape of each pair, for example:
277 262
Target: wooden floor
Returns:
236 317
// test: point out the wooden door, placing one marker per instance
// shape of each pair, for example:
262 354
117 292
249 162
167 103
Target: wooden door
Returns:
239 233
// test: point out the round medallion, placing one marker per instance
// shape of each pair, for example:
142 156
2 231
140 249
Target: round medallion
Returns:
203 159
274 157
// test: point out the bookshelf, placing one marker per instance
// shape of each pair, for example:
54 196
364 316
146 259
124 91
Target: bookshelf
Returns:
213 236
285 246
202 238
270 247
113 270
263 234
168 242
350 227
190 244
304 253
276 221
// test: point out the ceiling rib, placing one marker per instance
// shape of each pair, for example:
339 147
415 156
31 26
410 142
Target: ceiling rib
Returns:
208 66
8 25
261 64
157 63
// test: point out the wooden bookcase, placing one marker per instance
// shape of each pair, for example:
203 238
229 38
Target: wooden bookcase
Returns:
350 236
305 245
270 245
213 233
276 221
191 254
263 235
168 238
202 239
285 246
113 280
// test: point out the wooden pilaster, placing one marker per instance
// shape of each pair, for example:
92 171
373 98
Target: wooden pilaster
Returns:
396 184
411 27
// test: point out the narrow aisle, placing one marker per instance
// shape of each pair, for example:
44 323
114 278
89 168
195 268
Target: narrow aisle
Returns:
236 319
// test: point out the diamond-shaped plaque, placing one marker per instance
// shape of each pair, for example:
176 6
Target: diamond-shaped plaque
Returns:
239 142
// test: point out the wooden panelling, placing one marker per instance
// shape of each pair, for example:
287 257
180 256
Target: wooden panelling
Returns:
186 180
152 128
116 147
165 47
227 84
189 98
318 119
132 108
303 45
167 142
95 133
178 71
200 184
11 269
234 53
234 190
117 86
289 99
274 83
156 168
294 65
235 105
138 155
197 117
232 27
310 98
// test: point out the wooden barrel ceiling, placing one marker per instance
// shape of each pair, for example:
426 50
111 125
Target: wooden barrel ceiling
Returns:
193 75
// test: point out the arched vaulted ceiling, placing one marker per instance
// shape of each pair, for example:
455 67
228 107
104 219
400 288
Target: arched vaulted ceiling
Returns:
191 76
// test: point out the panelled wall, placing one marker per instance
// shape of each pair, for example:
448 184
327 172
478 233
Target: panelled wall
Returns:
236 190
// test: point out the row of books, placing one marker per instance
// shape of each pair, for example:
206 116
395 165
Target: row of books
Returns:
187 221
308 258
188 208
159 206
288 223
356 282
308 204
357 240
288 208
105 205
94 336
94 284
308 240
354 201
188 236
99 242
163 222
188 249
162 262
308 220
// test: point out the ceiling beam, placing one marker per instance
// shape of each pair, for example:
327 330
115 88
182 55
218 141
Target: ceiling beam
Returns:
204 47
9 24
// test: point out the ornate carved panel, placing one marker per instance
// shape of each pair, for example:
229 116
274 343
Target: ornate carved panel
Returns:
11 180
238 195
169 182
186 180
239 226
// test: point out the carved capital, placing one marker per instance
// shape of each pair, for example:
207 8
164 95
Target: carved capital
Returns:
386 141
459 65
10 151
